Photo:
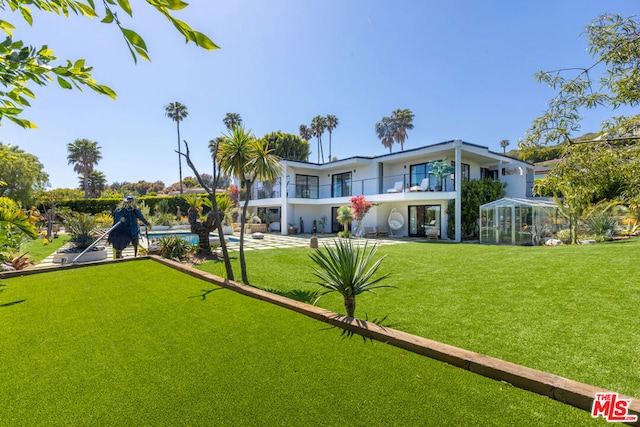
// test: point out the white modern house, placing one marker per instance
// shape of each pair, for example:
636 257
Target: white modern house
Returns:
407 199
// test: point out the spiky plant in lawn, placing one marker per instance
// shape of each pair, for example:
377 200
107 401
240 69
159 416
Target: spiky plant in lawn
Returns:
83 229
348 269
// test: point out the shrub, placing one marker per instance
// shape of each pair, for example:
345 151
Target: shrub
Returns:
163 219
173 247
82 227
602 225
564 236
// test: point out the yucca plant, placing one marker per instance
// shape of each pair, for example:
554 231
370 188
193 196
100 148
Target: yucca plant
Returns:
193 200
348 269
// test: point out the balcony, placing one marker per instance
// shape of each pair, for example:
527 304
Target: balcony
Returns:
367 187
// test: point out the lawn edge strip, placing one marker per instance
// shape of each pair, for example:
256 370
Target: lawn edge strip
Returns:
574 393
36 269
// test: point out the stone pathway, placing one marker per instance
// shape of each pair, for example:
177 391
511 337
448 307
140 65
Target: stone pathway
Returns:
269 241
278 241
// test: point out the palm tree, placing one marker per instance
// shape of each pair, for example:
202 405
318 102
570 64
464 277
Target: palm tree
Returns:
384 131
177 112
232 120
318 126
97 183
332 123
305 133
346 269
504 144
403 120
213 149
84 155
249 159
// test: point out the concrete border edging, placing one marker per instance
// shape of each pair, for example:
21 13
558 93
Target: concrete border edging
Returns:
574 393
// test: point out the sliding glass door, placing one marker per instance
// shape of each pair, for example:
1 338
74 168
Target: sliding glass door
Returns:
424 221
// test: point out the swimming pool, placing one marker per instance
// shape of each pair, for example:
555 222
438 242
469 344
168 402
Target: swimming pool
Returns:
188 237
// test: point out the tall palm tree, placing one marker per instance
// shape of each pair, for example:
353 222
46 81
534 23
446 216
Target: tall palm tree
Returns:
177 112
318 126
232 120
384 131
305 133
332 123
242 155
84 155
504 144
403 120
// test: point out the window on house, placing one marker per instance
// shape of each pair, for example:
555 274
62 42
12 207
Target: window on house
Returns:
307 186
466 170
341 185
419 172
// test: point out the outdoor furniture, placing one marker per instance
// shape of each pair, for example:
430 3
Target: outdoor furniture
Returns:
382 232
424 186
274 226
369 232
432 232
397 188
396 220
258 228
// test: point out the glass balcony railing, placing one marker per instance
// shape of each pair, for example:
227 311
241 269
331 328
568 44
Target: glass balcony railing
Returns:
365 187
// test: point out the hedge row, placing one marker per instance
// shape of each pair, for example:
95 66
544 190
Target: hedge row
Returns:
167 204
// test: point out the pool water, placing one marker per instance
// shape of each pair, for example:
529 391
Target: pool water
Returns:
188 237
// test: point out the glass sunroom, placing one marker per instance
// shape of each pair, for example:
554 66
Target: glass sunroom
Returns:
510 221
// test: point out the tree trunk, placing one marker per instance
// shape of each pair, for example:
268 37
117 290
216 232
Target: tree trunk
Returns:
350 305
197 227
245 208
212 223
179 154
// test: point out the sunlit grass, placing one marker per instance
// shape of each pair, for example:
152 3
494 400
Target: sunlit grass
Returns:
567 310
37 249
138 343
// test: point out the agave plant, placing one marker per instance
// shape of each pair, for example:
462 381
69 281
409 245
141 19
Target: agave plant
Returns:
83 228
173 247
348 270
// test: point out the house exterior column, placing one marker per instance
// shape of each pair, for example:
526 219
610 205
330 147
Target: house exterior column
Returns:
284 204
458 199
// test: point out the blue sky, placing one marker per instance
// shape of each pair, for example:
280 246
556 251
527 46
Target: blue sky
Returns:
465 69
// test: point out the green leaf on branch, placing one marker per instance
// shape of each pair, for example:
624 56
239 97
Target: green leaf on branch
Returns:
63 83
124 4
134 39
26 124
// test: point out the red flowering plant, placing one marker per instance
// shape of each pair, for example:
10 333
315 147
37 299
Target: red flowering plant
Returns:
360 208
234 194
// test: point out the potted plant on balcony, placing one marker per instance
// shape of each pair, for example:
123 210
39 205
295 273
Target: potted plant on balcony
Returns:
440 169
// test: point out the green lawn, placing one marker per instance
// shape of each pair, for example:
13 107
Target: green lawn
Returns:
570 310
37 250
138 343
